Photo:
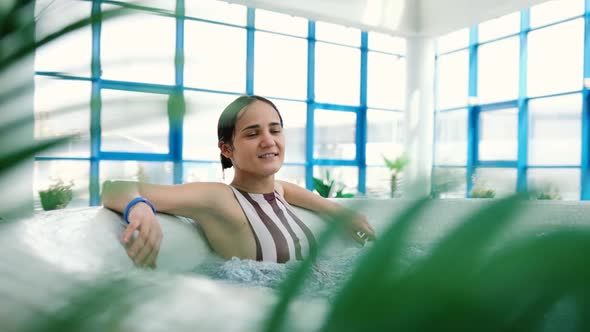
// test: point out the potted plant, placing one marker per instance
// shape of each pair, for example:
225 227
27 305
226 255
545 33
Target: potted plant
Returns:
396 167
443 182
480 189
57 196
548 192
327 187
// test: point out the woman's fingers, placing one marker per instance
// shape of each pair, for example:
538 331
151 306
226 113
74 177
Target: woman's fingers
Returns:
141 241
151 259
144 248
359 237
146 255
141 258
132 227
362 229
368 230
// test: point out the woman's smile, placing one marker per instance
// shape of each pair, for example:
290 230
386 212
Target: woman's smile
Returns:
268 156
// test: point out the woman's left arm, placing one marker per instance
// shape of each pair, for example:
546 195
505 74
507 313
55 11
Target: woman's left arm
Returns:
359 228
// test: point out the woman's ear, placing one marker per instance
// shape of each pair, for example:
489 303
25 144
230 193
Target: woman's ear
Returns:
225 149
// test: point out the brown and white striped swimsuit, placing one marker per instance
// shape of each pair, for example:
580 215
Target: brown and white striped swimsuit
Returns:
279 234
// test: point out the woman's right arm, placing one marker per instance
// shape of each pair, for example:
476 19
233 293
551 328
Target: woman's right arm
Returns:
181 199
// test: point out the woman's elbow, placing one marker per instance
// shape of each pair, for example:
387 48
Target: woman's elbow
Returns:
106 192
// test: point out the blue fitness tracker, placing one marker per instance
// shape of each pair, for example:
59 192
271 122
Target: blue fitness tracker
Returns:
135 201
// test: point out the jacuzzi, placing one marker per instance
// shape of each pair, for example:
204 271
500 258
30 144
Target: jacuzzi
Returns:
50 260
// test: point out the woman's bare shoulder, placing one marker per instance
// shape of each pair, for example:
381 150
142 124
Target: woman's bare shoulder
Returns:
209 190
279 187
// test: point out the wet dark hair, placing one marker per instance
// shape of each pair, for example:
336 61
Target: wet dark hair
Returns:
228 118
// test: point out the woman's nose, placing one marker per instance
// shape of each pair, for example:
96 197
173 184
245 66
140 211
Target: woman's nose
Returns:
267 139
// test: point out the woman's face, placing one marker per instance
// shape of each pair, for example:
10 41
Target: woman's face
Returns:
258 145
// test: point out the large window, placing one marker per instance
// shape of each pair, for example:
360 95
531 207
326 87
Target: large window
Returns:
114 86
510 103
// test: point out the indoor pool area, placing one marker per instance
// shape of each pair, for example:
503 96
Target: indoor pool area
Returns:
311 165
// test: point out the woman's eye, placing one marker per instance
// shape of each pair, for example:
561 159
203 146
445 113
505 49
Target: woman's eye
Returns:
251 134
275 131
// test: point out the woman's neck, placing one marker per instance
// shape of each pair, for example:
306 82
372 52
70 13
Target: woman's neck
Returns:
253 184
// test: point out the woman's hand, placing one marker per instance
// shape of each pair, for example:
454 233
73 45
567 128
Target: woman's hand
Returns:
144 249
360 229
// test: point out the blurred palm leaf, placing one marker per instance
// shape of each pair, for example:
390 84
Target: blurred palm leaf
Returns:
470 280
18 43
12 158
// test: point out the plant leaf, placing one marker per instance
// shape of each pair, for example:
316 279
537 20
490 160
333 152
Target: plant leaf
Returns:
17 55
295 280
10 159
320 187
372 269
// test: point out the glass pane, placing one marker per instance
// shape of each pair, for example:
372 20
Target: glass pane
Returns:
335 134
552 11
556 58
498 71
161 4
211 64
449 182
134 122
498 135
203 172
336 33
378 182
62 107
138 47
280 67
200 124
385 136
53 15
452 41
345 177
554 183
64 55
386 43
215 10
386 81
452 79
499 27
555 130
501 181
451 138
337 81
277 22
132 170
49 172
294 116
293 174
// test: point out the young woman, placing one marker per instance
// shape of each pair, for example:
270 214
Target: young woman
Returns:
251 218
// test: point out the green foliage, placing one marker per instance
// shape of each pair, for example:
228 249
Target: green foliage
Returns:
325 187
480 189
17 43
547 192
57 196
396 165
482 193
460 284
444 181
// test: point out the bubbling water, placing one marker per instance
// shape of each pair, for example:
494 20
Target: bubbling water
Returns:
328 273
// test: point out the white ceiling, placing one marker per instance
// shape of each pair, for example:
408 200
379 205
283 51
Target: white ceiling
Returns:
398 17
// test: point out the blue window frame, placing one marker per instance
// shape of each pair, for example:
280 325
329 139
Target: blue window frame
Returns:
180 65
527 117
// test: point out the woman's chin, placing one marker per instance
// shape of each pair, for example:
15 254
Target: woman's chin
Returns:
268 170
